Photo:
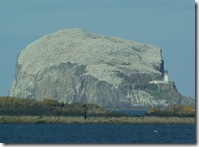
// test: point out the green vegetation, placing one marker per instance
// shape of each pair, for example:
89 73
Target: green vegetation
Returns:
47 107
18 110
173 110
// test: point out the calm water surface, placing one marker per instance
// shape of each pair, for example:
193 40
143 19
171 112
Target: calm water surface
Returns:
132 112
97 133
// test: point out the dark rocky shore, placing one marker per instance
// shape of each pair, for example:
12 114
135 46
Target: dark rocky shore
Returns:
98 120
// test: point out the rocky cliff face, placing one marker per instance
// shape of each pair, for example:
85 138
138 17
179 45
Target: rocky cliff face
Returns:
76 66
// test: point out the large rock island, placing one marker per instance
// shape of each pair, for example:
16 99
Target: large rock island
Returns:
76 66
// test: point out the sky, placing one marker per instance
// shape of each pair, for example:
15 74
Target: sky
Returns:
168 24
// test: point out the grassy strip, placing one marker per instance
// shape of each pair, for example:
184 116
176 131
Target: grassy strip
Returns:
98 120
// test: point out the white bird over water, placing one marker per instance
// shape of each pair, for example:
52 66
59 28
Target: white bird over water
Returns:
155 131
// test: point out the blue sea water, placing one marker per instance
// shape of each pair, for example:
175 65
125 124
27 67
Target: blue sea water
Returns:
132 112
98 133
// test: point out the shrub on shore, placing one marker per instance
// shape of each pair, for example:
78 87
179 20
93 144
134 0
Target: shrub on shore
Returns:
47 107
173 110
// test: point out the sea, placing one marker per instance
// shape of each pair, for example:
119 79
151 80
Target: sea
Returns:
98 133
130 112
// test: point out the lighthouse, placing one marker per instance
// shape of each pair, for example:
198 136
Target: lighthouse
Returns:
164 85
166 76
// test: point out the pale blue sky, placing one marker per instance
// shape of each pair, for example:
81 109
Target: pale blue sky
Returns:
168 24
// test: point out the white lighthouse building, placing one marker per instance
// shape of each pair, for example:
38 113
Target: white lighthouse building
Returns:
164 84
166 76
165 79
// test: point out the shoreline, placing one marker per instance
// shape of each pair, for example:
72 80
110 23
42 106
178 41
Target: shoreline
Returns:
96 120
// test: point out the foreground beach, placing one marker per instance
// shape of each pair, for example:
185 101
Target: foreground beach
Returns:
98 119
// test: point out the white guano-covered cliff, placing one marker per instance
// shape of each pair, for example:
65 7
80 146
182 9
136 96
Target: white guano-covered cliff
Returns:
73 65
